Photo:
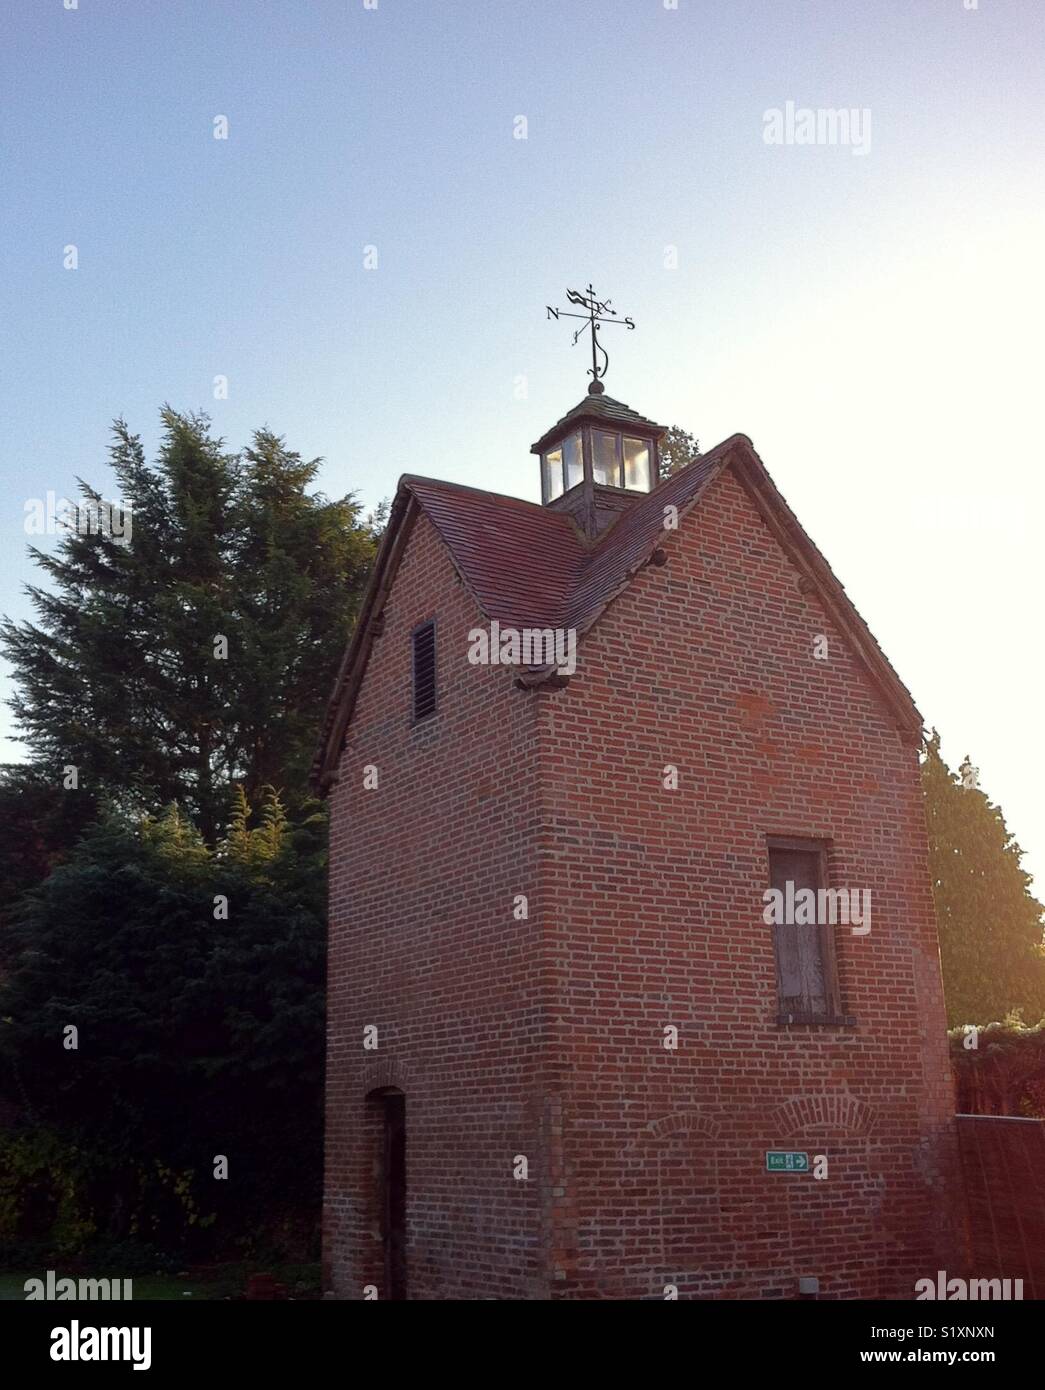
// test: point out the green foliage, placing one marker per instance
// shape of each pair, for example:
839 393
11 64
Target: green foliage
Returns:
44 1185
196 1036
39 823
989 923
261 845
119 675
1004 1073
677 449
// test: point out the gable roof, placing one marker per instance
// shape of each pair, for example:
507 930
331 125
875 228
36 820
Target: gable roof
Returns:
530 566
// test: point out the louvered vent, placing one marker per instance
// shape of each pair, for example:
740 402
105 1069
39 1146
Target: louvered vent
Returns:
424 671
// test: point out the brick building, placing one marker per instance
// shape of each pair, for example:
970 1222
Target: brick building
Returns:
565 1028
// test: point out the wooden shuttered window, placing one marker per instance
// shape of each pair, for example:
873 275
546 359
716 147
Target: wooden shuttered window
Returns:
424 671
807 979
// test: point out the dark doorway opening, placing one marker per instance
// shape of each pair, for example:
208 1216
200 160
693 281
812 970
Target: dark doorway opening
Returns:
393 1193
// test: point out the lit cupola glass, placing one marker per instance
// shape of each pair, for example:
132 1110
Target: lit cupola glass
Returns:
599 450
551 474
573 459
636 464
619 460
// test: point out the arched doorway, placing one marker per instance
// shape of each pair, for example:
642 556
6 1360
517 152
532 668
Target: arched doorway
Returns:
391 1195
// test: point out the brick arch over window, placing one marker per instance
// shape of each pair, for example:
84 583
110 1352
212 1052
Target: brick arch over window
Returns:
684 1122
837 1111
690 1244
384 1073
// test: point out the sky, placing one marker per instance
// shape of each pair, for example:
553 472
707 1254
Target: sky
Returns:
406 185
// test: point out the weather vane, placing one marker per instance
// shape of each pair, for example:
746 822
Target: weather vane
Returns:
598 313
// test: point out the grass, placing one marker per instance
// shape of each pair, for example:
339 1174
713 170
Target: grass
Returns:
213 1282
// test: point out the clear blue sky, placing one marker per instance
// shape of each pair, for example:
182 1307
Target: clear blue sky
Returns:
873 321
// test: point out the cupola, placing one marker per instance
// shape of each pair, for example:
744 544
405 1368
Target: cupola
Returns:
598 458
602 454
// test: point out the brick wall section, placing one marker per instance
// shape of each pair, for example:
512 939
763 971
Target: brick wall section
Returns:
545 1037
1003 1161
424 945
707 664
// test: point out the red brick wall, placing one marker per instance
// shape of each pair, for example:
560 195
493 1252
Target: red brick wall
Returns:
545 1037
707 664
423 944
1003 1162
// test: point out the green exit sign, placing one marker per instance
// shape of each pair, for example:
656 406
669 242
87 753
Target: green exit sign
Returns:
786 1161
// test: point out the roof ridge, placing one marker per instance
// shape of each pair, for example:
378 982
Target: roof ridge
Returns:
407 479
525 564
642 503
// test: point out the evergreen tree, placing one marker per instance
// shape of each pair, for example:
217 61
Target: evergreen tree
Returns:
39 825
194 978
202 653
300 564
990 925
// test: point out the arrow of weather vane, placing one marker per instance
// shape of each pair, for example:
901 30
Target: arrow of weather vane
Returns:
597 313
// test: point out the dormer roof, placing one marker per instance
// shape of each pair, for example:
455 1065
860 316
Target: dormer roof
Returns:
598 408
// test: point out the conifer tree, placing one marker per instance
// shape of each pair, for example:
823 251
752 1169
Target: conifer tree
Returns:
162 1001
202 652
990 924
